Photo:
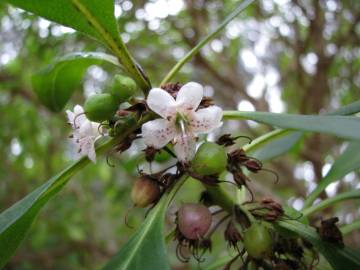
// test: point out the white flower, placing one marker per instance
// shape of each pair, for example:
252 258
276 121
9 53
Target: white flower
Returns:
180 122
85 132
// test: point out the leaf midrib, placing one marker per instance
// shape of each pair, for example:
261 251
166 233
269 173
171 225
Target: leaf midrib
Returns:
116 46
143 233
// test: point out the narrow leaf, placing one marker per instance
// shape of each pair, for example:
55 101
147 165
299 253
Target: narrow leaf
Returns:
93 17
278 142
146 248
338 257
203 42
347 127
16 220
55 84
219 263
350 195
346 163
66 12
348 109
348 228
273 144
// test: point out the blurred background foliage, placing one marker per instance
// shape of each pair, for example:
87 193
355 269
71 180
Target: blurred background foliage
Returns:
295 56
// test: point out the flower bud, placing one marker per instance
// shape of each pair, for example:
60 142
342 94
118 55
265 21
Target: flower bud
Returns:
123 88
144 192
269 210
194 220
100 107
210 158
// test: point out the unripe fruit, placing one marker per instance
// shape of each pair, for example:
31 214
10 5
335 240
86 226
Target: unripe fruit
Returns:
194 220
210 158
162 156
123 88
100 107
257 241
144 192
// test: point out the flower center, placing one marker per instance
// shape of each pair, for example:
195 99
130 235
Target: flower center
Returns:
181 122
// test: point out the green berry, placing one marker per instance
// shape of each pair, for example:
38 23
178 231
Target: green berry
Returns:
123 88
257 241
210 158
100 107
162 156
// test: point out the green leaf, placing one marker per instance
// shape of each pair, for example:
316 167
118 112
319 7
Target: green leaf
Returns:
348 109
348 228
218 263
93 17
273 144
347 127
204 41
55 84
278 142
339 258
67 13
146 248
350 195
16 220
346 163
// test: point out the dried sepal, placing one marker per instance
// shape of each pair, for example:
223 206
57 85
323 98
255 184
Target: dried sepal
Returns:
268 210
232 235
330 232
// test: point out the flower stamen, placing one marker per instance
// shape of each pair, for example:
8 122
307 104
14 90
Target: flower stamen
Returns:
181 119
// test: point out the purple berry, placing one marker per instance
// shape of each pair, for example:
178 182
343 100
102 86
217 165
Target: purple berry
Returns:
194 220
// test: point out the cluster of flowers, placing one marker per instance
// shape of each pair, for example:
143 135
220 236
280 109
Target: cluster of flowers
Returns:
182 114
181 121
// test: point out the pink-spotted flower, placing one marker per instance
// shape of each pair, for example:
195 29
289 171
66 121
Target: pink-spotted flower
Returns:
181 121
85 132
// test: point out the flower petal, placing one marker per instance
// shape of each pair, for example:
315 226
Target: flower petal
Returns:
190 96
88 129
185 147
206 120
78 109
91 153
157 133
85 130
161 102
76 118
87 148
71 118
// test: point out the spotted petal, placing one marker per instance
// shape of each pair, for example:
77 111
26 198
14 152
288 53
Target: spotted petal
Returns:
87 129
76 118
161 102
206 120
185 147
158 133
86 147
190 96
